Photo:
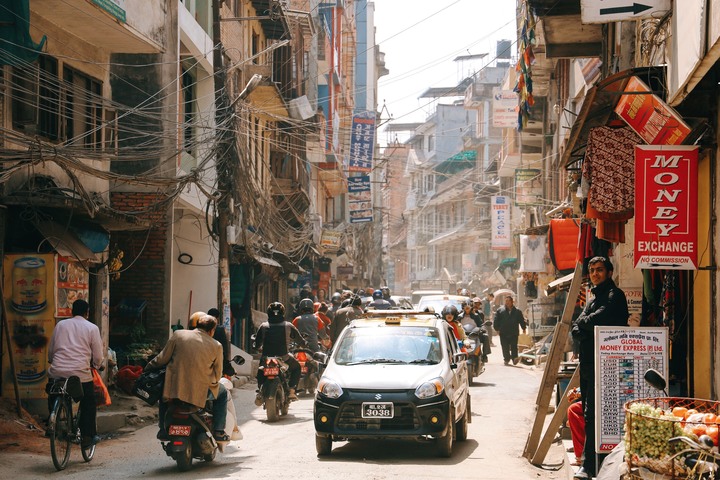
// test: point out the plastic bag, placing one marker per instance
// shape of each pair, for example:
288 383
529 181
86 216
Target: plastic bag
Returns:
127 376
102 396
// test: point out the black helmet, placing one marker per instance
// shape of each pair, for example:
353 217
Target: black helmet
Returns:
276 312
306 306
386 292
377 295
356 301
336 298
467 303
450 309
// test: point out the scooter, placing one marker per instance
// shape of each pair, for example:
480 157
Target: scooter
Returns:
189 430
476 337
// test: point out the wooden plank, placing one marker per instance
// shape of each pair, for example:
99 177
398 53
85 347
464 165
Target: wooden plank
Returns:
557 349
557 420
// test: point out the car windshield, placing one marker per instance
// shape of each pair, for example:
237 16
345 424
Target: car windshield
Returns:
438 304
397 345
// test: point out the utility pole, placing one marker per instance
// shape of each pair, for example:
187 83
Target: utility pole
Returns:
223 168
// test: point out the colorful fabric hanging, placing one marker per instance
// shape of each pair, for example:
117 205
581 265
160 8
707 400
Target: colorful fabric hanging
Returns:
526 58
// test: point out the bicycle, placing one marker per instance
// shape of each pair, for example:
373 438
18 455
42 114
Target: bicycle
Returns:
63 427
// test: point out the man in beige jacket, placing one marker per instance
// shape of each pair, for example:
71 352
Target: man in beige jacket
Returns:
194 367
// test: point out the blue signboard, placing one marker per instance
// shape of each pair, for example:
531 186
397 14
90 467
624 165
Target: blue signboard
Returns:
362 141
360 199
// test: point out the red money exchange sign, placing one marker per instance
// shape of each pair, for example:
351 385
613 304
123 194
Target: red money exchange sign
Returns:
665 207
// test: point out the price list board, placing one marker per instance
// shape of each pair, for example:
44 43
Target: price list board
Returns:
622 356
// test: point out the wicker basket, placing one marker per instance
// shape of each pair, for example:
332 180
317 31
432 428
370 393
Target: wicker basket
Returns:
654 453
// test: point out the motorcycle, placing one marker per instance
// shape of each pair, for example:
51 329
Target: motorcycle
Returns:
275 388
476 337
309 368
189 430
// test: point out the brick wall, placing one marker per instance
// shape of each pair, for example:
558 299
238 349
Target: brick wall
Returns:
146 251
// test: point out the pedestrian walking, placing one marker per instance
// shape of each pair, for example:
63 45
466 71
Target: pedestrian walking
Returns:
488 311
508 321
607 308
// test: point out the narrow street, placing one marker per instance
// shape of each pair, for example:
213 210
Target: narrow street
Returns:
502 405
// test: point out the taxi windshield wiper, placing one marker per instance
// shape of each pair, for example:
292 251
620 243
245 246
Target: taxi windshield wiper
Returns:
377 360
424 361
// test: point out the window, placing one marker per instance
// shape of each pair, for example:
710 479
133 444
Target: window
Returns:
83 109
36 98
431 143
189 109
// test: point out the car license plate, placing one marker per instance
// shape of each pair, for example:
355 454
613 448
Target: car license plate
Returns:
377 410
272 371
179 430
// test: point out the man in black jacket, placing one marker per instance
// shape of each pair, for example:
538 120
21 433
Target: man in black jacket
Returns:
508 320
607 308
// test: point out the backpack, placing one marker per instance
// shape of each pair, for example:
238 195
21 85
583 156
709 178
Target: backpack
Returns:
149 386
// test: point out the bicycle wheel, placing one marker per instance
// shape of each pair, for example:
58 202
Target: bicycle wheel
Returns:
87 451
60 432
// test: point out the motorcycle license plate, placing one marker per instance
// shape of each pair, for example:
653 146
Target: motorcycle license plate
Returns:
272 371
179 430
377 410
303 369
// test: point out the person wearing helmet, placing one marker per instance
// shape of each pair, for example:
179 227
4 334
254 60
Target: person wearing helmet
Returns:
379 303
310 325
386 295
344 316
272 340
335 302
450 315
475 319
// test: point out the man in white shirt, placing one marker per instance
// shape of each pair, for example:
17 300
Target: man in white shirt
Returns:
75 347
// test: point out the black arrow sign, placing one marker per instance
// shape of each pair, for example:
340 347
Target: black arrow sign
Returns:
634 9
671 265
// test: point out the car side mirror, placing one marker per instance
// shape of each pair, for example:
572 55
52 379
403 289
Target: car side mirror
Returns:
458 358
320 357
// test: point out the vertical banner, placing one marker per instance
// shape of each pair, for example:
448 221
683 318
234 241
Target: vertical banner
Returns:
29 297
666 207
73 283
504 108
500 223
360 199
362 142
622 356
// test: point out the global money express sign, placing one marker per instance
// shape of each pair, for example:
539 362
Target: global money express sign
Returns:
666 207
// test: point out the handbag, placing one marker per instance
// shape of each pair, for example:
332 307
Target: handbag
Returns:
102 396
149 386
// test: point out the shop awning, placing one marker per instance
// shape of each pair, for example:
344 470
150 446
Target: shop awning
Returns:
268 261
66 243
599 105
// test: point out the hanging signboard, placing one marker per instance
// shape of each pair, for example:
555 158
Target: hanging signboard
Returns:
360 199
622 357
651 118
500 223
330 240
528 187
666 207
362 141
607 11
504 108
73 283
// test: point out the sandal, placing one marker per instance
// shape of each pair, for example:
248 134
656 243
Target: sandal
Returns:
221 436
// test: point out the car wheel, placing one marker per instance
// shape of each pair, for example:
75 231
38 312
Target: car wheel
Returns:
461 427
445 443
323 445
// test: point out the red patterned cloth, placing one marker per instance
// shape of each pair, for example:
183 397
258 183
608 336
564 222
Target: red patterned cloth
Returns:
610 168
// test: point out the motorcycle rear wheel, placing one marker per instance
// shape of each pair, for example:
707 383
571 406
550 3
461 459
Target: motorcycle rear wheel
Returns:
184 460
273 405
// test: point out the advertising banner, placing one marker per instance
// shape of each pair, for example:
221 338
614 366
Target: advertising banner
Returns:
362 141
651 118
500 223
528 187
360 199
72 284
666 207
622 356
29 298
504 108
330 240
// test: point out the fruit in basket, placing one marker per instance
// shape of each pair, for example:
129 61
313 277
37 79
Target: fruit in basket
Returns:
698 428
648 429
709 418
712 432
690 412
679 412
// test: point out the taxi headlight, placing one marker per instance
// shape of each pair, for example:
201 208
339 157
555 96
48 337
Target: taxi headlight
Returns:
430 389
329 388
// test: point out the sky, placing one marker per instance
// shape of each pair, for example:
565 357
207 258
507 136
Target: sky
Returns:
420 39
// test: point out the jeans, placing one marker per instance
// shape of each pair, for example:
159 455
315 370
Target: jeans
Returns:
219 410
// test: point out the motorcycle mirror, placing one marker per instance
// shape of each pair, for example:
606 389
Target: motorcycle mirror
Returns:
655 380
239 360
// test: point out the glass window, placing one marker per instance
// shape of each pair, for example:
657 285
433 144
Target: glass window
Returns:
36 98
406 345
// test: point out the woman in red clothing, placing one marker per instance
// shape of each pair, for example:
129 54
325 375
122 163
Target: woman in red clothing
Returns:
576 422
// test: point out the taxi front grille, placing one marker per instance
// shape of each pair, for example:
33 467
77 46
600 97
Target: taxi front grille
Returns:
349 419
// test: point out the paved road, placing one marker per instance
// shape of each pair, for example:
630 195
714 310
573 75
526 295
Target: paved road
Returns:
502 405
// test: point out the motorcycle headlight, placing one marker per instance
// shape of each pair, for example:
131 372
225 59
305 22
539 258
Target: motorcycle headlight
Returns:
329 388
430 389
